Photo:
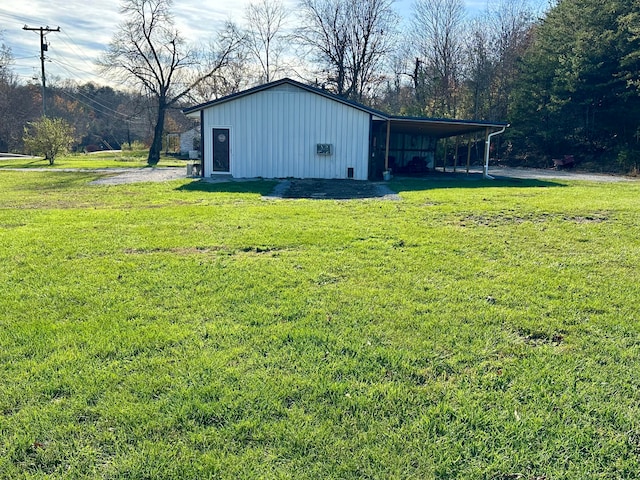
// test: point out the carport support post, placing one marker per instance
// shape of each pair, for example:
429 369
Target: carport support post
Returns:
386 147
202 144
468 153
455 158
444 163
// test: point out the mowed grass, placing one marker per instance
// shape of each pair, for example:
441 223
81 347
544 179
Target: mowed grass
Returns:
111 159
186 331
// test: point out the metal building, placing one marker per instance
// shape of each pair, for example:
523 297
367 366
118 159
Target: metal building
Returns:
287 129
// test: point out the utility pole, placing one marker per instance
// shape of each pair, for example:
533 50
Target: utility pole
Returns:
43 48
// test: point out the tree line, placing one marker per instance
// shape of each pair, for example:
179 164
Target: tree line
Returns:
566 78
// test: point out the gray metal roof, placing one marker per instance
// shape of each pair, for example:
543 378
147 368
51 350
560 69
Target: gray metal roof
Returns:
438 127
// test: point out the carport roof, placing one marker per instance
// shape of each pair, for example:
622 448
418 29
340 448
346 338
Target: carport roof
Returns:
437 127
440 127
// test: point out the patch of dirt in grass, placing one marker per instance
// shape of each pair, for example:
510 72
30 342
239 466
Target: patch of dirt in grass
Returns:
7 226
535 339
260 250
177 203
633 438
328 279
480 220
256 250
519 476
335 190
177 250
594 218
438 370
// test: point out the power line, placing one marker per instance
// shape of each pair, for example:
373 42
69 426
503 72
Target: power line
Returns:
76 47
84 59
107 114
20 18
63 65
105 109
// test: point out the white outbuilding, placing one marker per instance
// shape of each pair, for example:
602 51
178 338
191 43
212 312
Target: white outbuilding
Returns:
287 129
190 142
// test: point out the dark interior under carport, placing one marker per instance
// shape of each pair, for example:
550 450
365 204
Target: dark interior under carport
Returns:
412 142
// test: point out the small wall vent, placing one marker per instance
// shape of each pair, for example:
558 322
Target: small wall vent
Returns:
324 149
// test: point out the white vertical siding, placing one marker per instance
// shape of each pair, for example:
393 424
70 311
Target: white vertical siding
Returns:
274 133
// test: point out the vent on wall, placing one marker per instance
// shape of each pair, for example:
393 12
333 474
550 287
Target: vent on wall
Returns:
324 149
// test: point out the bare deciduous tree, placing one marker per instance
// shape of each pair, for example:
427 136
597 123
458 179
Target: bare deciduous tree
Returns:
232 76
495 42
511 22
350 39
6 59
153 56
265 41
324 33
17 103
479 67
438 30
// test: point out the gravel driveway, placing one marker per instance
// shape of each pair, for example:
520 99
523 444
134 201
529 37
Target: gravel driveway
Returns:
136 175
550 173
163 174
120 176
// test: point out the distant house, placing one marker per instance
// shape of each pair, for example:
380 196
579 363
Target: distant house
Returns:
190 141
288 129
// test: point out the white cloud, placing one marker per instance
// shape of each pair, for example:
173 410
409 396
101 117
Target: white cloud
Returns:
87 28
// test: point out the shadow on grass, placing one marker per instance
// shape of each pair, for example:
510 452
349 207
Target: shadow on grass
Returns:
458 180
35 163
262 187
352 190
61 181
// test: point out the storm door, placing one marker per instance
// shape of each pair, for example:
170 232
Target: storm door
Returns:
220 149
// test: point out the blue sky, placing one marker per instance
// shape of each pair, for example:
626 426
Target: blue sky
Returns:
87 28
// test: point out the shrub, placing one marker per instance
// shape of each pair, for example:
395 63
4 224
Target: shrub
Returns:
48 137
135 145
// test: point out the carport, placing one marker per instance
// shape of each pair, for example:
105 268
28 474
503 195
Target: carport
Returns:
407 145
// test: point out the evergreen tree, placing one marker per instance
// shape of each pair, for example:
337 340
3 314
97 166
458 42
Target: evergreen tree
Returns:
578 91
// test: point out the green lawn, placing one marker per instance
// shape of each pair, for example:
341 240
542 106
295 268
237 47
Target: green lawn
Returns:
116 159
472 330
